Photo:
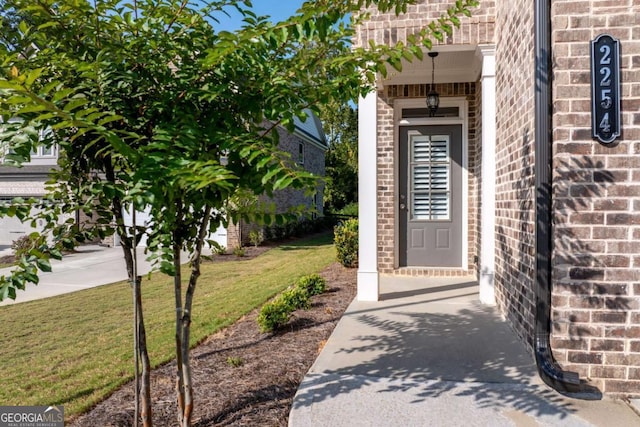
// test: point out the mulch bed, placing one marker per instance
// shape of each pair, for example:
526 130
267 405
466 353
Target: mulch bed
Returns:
260 391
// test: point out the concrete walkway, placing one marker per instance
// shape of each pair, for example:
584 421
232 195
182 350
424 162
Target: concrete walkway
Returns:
430 354
88 267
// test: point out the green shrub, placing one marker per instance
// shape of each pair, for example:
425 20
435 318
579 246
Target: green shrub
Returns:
274 314
296 298
239 251
346 242
217 248
351 210
255 237
313 284
22 245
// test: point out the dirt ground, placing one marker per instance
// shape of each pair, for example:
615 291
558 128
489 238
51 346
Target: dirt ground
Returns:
242 377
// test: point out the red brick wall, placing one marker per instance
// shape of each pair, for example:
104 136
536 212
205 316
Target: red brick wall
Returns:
515 261
596 298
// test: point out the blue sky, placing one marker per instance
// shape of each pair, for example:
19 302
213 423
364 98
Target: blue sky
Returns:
277 9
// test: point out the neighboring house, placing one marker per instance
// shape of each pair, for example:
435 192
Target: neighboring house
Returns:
466 192
307 146
26 182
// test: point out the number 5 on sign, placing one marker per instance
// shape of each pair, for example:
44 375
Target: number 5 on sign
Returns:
605 88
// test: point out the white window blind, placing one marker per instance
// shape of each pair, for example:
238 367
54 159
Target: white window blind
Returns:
430 177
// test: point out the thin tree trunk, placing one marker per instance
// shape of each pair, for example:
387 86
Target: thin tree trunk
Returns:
145 385
177 285
183 327
186 318
143 393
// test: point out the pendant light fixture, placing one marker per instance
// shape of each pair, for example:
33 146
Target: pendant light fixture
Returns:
433 98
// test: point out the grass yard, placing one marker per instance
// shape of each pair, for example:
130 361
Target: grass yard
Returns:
76 349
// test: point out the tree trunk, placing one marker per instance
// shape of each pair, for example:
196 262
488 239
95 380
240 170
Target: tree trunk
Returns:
185 397
145 385
177 286
143 391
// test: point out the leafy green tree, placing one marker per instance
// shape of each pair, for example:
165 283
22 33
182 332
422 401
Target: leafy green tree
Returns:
153 109
340 122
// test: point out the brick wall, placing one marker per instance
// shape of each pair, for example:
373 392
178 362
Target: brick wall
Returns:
596 271
388 28
515 261
313 162
282 200
387 185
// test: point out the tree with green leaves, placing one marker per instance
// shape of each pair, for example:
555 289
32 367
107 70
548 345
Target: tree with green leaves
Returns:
154 109
340 123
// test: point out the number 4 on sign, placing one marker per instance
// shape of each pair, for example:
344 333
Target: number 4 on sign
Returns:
604 123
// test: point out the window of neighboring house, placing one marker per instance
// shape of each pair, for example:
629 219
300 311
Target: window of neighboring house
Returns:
301 153
40 154
45 152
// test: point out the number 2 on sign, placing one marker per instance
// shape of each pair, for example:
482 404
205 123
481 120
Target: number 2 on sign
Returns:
606 57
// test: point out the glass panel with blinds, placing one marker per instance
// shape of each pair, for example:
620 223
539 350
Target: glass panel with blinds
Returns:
430 177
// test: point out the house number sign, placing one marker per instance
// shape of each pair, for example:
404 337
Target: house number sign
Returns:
605 88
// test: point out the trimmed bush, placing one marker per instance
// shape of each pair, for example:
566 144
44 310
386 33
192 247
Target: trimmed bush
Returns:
255 237
239 251
346 242
313 284
274 315
296 298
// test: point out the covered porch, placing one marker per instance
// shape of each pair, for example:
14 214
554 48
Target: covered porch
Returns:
394 209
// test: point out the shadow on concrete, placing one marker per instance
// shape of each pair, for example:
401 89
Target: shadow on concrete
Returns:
429 346
426 290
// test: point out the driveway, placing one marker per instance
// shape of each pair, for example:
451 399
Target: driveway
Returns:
88 267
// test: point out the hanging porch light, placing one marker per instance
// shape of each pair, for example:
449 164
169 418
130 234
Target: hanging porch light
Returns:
433 98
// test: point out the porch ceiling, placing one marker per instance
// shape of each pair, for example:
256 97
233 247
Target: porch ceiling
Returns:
454 64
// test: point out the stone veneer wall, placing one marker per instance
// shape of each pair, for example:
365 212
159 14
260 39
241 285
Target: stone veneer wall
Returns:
596 299
387 185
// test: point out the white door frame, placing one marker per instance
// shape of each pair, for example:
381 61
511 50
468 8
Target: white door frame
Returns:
461 119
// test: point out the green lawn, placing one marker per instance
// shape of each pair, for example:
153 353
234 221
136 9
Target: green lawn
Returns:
76 349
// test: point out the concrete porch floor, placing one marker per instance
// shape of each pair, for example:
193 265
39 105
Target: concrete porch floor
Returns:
430 354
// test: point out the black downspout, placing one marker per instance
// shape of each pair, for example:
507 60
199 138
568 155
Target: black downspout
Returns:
567 383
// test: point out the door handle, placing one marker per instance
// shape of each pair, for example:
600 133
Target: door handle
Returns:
402 206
